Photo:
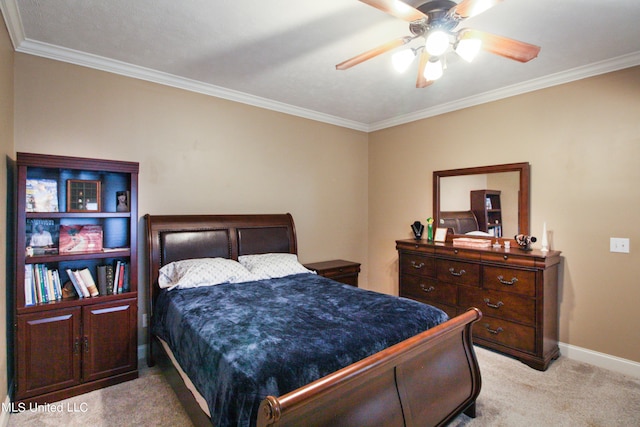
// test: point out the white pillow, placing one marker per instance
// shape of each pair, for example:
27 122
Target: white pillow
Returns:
191 273
272 265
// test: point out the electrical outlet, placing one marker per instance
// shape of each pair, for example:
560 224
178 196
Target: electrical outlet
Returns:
145 320
619 244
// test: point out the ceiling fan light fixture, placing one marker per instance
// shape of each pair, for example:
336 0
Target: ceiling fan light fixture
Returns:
402 59
468 49
433 70
437 42
482 5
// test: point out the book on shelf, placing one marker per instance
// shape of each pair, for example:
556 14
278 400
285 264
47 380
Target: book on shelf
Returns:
41 236
80 238
41 284
110 275
42 195
82 293
87 280
102 279
120 277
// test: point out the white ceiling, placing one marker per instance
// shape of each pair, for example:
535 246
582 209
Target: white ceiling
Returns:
281 54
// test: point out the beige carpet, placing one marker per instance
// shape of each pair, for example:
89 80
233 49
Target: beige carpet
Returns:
569 393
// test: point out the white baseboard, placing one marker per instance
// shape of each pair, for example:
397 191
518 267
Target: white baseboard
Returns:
601 360
142 352
4 415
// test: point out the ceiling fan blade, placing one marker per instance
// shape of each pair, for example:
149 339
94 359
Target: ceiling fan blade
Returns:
469 8
503 46
373 53
422 82
396 8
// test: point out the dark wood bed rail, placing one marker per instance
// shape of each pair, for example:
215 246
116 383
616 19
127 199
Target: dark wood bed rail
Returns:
408 384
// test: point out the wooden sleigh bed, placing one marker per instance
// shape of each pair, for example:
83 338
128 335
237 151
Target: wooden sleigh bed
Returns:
425 380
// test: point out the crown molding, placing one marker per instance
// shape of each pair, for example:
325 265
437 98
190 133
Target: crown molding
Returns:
24 45
578 73
122 68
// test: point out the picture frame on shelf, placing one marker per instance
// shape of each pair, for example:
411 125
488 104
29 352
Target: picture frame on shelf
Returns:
122 201
441 235
41 195
83 195
41 236
80 238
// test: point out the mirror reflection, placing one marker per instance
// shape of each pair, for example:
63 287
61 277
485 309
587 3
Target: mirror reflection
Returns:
484 201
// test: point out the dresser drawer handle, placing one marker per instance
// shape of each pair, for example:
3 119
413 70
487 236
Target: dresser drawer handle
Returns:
427 290
489 304
511 282
454 273
416 265
493 331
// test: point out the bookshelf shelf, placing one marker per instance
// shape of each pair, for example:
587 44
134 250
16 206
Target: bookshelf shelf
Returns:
64 344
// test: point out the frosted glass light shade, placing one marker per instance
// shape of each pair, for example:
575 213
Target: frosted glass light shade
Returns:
468 49
402 60
437 43
433 70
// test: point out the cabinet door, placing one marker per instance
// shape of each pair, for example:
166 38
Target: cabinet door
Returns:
109 342
49 353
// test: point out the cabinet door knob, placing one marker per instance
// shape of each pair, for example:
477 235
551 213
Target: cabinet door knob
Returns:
488 302
417 265
76 346
456 273
511 282
85 341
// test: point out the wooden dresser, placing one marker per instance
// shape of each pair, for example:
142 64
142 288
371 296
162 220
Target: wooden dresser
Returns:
517 292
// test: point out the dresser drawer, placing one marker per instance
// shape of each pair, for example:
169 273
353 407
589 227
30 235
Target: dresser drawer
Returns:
457 272
509 279
507 333
427 289
457 253
511 258
411 263
499 304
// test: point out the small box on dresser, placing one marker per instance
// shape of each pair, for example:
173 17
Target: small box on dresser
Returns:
517 292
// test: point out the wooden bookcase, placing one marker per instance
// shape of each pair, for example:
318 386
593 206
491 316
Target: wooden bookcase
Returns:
70 345
487 208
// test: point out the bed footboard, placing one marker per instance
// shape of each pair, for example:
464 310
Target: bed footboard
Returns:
425 380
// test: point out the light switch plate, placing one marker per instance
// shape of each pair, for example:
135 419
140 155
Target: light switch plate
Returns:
619 244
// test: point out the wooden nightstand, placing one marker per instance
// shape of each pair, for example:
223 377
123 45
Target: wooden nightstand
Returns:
338 270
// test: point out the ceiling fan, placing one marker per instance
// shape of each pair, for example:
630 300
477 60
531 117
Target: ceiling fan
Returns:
435 22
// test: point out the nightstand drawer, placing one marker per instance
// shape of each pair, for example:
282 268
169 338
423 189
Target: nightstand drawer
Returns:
509 279
500 304
459 273
507 333
339 270
427 289
417 264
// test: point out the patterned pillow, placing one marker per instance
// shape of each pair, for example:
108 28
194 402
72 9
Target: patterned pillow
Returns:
191 273
268 266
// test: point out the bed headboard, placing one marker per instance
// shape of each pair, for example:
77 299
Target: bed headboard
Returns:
461 222
176 237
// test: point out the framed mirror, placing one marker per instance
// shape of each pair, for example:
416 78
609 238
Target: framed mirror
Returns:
486 200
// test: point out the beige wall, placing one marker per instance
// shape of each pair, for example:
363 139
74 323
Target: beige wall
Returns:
583 143
6 149
200 154
352 194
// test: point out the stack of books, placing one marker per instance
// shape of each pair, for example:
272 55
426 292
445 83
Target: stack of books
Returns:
43 285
